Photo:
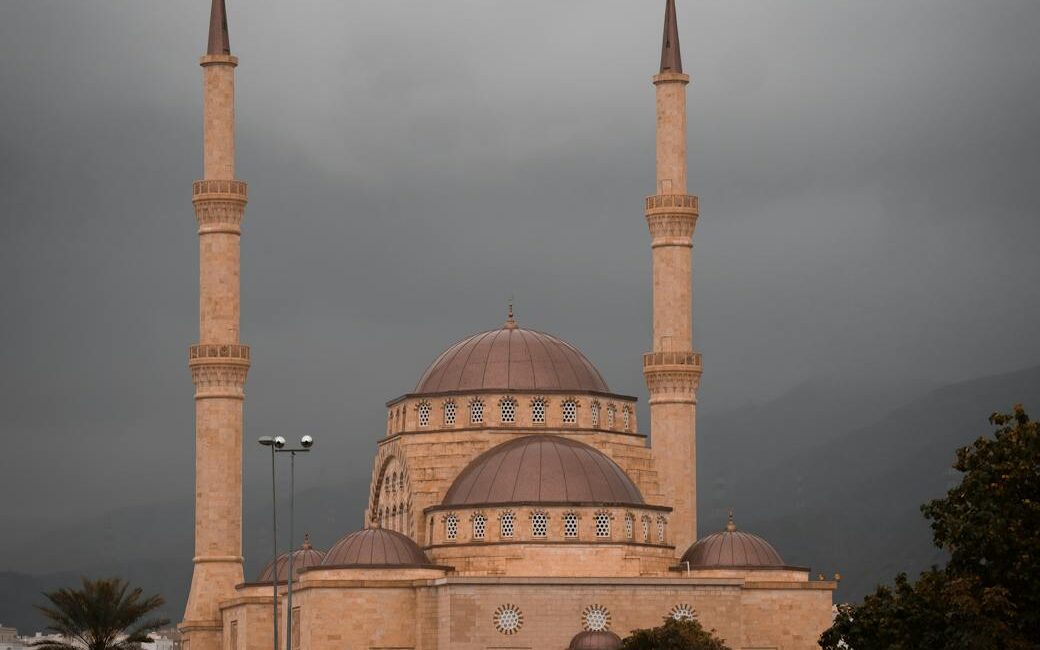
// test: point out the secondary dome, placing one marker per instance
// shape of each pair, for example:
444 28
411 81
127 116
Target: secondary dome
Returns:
542 469
511 358
732 549
376 547
304 557
595 640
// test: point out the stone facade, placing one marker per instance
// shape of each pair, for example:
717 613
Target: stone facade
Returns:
514 501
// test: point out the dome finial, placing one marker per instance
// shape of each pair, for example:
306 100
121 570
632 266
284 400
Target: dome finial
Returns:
218 30
306 546
510 320
730 525
671 60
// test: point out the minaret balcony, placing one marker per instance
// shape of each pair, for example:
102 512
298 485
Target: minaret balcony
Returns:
219 205
691 360
673 204
210 353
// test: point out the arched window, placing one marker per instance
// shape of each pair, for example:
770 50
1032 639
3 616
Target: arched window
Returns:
630 524
570 411
611 411
476 412
508 523
424 414
479 526
539 524
602 524
570 524
538 410
449 413
594 412
507 410
661 523
451 527
646 528
626 418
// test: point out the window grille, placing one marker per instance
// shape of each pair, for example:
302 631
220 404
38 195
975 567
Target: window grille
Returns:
479 526
611 410
449 413
626 418
646 528
660 530
595 617
630 522
570 412
570 525
539 524
476 412
508 524
538 411
682 612
424 414
507 410
602 524
594 412
451 527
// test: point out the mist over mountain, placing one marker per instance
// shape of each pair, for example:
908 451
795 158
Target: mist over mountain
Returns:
832 477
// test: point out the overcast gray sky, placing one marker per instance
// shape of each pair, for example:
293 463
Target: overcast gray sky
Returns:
867 174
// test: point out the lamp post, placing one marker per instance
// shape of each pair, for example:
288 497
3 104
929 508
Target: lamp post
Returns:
275 443
306 442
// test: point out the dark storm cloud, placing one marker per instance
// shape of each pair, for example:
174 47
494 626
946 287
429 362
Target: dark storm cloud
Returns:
866 171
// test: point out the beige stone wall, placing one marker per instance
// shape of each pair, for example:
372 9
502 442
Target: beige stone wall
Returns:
568 559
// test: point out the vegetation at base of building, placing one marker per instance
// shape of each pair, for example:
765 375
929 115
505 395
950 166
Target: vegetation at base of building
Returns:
674 634
988 594
104 614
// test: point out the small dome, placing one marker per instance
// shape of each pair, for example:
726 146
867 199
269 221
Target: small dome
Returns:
595 640
542 469
732 549
511 358
376 547
303 558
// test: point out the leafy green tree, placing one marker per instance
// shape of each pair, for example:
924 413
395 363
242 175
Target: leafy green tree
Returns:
674 635
102 615
988 595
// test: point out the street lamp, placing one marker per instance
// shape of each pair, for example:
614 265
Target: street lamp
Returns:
306 442
274 443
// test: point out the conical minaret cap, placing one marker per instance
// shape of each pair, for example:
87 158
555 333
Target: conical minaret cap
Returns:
218 30
671 59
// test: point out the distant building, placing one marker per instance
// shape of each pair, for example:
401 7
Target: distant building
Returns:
9 639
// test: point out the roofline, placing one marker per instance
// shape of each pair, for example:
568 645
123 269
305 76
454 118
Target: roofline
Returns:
569 541
750 567
494 391
546 504
508 430
439 567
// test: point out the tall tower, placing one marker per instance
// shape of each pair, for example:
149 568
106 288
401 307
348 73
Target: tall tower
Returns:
672 369
218 363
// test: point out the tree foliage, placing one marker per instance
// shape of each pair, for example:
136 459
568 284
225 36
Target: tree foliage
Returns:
103 614
674 635
988 595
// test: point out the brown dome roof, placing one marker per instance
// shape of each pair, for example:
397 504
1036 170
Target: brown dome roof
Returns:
303 558
542 469
732 548
595 640
376 547
511 358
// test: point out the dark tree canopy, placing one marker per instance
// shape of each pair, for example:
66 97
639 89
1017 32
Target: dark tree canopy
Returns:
103 614
988 595
674 635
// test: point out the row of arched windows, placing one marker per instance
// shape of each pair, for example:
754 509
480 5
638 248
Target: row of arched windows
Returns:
540 526
508 410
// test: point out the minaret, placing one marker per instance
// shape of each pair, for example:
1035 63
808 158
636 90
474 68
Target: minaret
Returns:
673 369
218 362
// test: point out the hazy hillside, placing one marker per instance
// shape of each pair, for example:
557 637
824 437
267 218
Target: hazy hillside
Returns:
851 503
830 473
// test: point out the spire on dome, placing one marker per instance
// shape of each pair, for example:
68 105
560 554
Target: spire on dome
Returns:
306 542
671 59
510 320
731 526
218 30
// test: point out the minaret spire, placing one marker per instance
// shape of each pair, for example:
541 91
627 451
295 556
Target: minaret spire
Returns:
218 31
672 368
671 58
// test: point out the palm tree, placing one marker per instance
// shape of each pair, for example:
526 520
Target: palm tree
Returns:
104 615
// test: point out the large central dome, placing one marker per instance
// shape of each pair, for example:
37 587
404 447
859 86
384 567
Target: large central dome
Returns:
511 358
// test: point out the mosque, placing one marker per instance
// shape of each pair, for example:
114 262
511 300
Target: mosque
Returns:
515 502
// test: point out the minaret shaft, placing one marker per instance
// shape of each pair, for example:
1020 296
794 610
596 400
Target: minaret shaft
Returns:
219 363
672 369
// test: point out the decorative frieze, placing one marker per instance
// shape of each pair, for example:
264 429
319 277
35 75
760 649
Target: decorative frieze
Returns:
219 370
219 205
672 376
672 218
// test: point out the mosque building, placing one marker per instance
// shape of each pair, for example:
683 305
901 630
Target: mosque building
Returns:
515 502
